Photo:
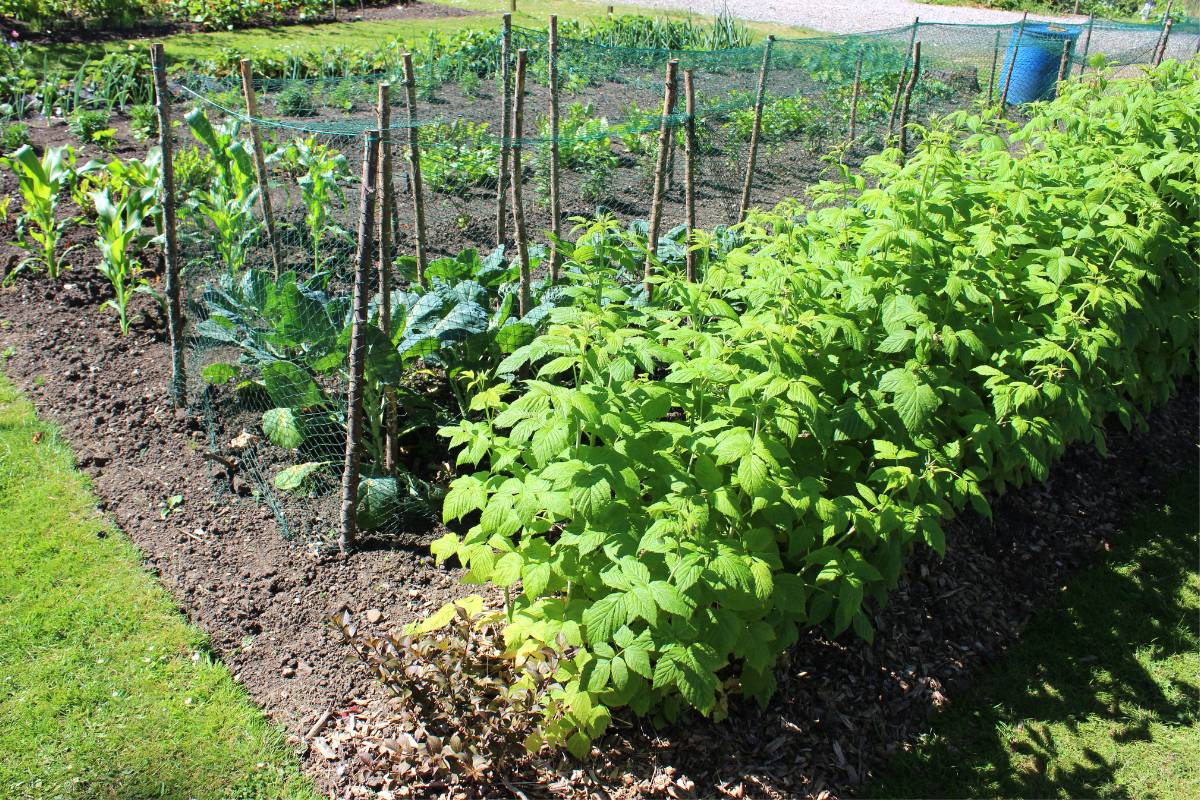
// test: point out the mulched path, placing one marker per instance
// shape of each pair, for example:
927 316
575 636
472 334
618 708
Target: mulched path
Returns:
842 708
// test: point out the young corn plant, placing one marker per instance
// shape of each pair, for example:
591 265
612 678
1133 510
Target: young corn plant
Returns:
322 170
121 225
41 181
126 207
223 206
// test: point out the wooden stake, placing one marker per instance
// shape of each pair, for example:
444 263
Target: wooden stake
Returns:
1087 43
1012 62
1074 11
523 302
900 84
391 450
756 131
555 209
512 6
1162 45
908 90
903 77
354 393
414 164
260 166
660 173
854 96
162 99
505 131
1064 60
689 170
995 61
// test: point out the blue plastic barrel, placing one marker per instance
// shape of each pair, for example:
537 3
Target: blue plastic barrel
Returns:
1036 69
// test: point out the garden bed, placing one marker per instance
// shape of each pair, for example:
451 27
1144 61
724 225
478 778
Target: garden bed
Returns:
843 706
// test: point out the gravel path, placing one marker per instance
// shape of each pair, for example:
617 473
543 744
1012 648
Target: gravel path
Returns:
843 16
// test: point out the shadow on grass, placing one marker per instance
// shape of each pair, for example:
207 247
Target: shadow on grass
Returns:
1099 697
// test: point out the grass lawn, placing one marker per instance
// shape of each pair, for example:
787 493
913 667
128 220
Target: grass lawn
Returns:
366 34
105 691
1099 698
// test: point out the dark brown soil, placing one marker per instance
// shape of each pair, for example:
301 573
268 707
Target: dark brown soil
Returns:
75 32
842 706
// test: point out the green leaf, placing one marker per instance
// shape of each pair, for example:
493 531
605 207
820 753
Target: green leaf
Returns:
219 373
604 617
670 599
282 428
913 400
535 577
507 570
293 477
466 494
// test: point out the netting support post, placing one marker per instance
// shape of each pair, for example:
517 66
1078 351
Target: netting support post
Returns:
1087 44
995 63
414 165
170 255
908 90
903 78
660 173
354 394
1075 10
756 131
523 302
505 131
260 165
555 203
854 97
1012 62
1064 61
689 170
387 202
1162 44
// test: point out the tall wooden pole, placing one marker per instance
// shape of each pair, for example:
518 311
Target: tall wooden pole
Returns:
908 90
995 61
162 99
854 96
1064 60
391 450
689 170
1087 43
1012 62
260 165
660 170
756 131
505 131
414 165
523 301
1162 45
354 393
555 202
900 84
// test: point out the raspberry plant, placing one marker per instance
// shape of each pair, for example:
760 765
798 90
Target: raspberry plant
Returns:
679 487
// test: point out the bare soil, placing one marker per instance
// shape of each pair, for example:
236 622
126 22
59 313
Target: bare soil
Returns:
842 707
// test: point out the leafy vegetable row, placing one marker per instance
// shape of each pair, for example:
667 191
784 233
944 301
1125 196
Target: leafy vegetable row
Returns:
673 490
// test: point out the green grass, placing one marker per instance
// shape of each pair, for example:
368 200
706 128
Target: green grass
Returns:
1099 698
105 691
366 34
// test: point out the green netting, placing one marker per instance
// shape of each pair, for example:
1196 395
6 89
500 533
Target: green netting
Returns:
269 327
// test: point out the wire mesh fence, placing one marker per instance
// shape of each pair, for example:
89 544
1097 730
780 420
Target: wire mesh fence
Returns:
297 223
